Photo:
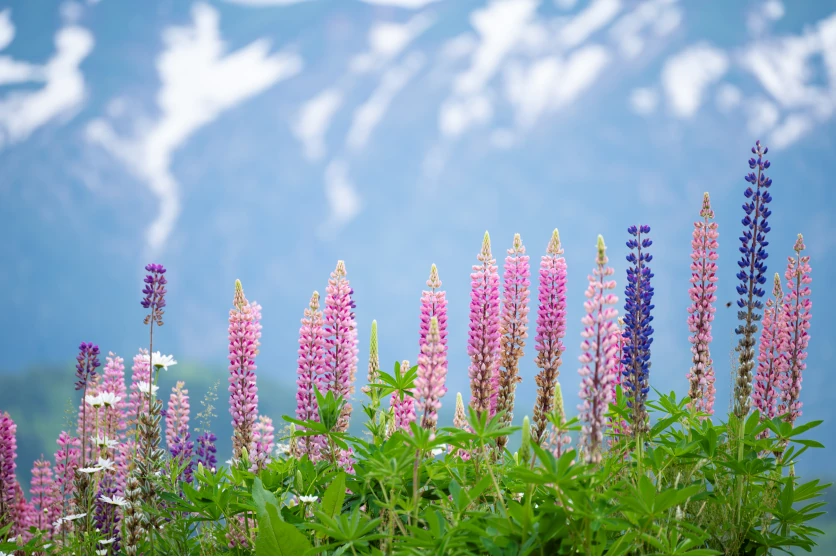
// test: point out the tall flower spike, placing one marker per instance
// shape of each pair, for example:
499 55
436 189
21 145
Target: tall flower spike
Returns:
429 385
434 305
619 427
772 361
558 441
310 373
154 290
341 352
460 421
638 296
140 373
373 375
551 328
113 382
797 306
752 274
403 410
701 310
264 435
598 357
85 371
206 451
483 342
8 464
244 335
513 328
177 434
106 516
67 460
44 495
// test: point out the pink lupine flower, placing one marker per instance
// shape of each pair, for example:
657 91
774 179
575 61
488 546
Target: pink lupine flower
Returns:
429 385
797 306
341 351
8 464
310 372
599 353
67 460
460 422
434 305
23 513
85 425
402 410
44 495
141 373
244 335
772 362
483 345
177 414
551 328
114 382
264 439
513 329
701 310
620 427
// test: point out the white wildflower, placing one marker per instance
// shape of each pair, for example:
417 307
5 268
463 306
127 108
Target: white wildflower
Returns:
115 500
105 464
109 399
107 541
104 442
147 388
94 400
308 498
161 361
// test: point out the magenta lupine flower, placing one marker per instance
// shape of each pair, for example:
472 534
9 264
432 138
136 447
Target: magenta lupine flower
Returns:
772 361
263 440
177 414
403 411
429 385
701 310
797 306
551 328
434 305
310 372
67 460
44 495
8 464
599 352
341 351
244 335
483 344
24 514
513 329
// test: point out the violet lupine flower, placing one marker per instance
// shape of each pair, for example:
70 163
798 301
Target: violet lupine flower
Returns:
434 305
67 460
341 351
513 329
177 434
403 410
206 451
701 310
752 274
44 495
106 516
309 373
154 291
551 328
772 361
429 385
88 361
8 464
244 334
638 296
797 306
598 357
483 345
114 382
263 440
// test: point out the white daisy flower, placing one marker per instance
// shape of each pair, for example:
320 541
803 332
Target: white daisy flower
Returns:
308 498
147 388
101 552
115 500
438 450
109 399
161 361
107 542
105 464
94 400
90 470
71 517
104 442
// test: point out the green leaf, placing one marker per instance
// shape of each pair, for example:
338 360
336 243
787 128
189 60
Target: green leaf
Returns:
332 500
277 537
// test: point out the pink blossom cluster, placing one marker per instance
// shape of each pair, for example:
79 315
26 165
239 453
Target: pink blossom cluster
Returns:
310 373
483 344
244 335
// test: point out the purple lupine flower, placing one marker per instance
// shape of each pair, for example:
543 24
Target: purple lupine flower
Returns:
341 351
8 464
206 451
772 361
551 328
752 274
106 516
638 295
67 460
309 373
177 434
598 357
263 439
44 495
513 329
244 335
154 291
434 305
429 385
797 306
85 372
483 345
403 411
701 310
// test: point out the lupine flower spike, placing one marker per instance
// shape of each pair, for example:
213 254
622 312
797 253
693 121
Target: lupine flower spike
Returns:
177 434
264 440
618 427
8 458
85 371
310 373
598 357
434 304
206 451
483 342
403 411
638 295
460 421
551 328
701 310
797 306
558 441
429 385
44 495
373 376
244 335
772 361
341 352
752 274
513 329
